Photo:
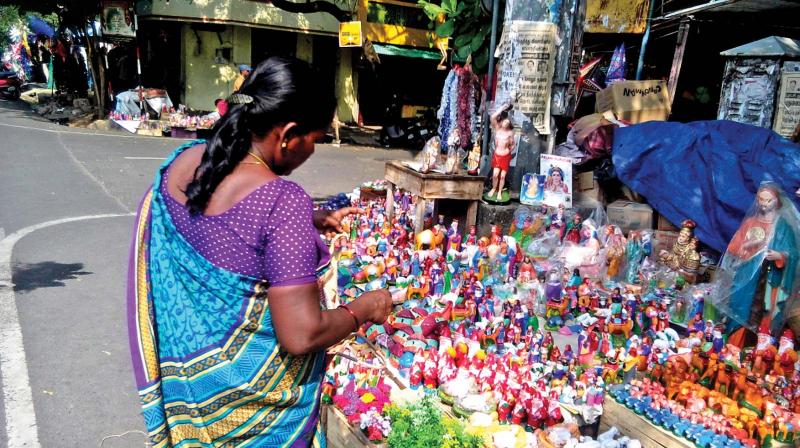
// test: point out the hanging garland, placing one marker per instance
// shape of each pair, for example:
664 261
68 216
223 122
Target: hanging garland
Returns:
459 107
464 111
448 100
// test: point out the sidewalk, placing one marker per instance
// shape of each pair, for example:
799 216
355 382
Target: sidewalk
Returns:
359 135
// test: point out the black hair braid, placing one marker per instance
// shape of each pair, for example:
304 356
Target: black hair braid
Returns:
280 90
228 147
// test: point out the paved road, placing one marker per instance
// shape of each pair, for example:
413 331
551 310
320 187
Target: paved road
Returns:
66 199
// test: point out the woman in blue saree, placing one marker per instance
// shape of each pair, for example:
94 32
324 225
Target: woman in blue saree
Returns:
226 324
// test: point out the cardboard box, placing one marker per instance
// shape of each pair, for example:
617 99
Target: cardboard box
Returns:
630 215
664 224
635 101
586 189
663 240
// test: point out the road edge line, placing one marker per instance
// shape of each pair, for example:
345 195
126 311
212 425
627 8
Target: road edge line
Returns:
20 418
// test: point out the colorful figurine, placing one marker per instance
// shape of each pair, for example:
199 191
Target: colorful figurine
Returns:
503 152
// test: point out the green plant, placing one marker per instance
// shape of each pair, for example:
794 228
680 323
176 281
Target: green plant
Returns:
9 17
466 23
422 425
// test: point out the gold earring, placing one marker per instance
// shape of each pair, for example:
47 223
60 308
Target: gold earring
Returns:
284 144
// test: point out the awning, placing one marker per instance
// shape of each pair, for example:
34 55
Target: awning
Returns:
394 50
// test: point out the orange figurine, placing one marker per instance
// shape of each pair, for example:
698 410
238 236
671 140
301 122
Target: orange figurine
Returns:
724 378
753 396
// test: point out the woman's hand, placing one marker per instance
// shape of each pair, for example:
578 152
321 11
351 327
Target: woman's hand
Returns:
327 221
374 306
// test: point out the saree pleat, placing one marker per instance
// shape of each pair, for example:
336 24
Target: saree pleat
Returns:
208 366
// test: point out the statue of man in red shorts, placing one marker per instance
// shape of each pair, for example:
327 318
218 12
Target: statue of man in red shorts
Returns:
503 149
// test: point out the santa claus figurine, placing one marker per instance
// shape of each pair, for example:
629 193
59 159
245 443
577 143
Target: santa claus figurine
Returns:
787 356
431 370
764 353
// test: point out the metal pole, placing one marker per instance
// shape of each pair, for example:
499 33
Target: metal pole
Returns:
142 105
489 91
677 60
645 38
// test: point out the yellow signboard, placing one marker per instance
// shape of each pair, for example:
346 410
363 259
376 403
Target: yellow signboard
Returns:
350 34
616 16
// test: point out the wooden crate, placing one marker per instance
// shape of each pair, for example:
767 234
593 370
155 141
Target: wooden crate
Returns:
341 434
638 427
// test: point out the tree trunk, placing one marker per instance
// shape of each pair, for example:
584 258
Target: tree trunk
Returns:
90 53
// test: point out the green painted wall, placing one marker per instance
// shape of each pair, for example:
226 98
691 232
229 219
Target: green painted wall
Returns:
207 78
242 12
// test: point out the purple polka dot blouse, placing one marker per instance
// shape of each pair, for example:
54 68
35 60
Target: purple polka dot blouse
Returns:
269 234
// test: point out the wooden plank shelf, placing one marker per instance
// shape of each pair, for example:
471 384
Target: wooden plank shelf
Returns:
339 433
637 427
433 186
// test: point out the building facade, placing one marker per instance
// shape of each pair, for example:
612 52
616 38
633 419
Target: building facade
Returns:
197 46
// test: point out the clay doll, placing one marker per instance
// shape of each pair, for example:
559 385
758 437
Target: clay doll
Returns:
573 229
503 149
672 258
557 222
471 239
526 271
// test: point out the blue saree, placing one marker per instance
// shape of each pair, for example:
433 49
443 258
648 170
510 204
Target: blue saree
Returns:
208 366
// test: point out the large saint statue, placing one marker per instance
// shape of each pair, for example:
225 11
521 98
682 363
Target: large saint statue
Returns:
760 268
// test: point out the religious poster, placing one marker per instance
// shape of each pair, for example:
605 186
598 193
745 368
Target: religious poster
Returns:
532 191
788 115
117 19
557 172
527 51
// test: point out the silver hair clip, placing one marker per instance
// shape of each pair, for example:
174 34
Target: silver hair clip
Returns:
240 98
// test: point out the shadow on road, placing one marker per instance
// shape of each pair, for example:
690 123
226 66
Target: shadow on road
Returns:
47 274
18 109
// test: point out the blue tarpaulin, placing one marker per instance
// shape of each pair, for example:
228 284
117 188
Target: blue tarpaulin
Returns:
707 171
39 26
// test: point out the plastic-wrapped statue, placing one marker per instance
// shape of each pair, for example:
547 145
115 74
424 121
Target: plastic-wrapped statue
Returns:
503 152
430 154
453 143
763 250
690 263
474 159
615 251
634 257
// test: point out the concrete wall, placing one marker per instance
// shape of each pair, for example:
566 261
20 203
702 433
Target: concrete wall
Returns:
206 79
305 48
346 87
242 12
